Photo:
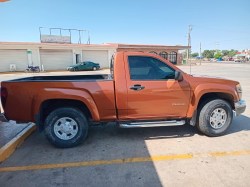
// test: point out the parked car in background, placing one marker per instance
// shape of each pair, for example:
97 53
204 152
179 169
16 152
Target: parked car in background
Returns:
219 60
213 60
238 60
86 65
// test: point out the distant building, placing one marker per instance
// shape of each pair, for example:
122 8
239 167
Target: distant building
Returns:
16 56
170 53
244 54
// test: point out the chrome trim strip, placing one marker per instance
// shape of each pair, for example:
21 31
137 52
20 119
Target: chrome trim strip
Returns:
152 124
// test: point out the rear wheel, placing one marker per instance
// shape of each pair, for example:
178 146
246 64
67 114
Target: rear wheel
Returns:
215 117
94 68
66 127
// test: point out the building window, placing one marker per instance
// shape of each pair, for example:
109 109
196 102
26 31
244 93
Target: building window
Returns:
172 57
153 52
164 55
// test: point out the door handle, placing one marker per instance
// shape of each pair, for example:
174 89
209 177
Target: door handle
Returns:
137 87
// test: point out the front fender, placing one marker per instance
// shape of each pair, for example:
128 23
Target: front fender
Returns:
203 89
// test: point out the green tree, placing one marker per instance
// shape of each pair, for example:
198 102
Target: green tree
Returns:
208 53
229 53
232 52
218 55
225 52
194 55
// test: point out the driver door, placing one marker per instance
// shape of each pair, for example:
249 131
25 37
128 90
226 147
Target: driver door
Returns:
153 93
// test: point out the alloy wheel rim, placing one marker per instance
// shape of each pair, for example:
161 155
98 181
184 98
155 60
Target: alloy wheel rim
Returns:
65 128
218 118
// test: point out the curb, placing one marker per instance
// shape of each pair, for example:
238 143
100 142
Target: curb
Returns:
9 148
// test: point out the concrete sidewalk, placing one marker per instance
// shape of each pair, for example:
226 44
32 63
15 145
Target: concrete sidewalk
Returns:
12 135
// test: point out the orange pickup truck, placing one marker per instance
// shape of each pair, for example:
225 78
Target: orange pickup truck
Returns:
142 90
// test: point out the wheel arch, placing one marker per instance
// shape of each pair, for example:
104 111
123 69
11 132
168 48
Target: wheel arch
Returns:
49 105
193 112
216 95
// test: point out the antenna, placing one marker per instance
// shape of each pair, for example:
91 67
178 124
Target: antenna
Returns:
189 44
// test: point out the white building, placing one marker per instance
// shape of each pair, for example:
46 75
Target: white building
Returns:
51 56
17 56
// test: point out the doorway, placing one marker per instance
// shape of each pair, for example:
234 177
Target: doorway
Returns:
78 58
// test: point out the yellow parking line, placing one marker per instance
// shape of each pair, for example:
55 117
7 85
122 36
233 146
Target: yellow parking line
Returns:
123 161
232 153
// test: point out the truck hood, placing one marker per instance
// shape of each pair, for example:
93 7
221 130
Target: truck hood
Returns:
210 79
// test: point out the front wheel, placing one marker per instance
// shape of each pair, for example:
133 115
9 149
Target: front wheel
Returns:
94 68
215 117
66 127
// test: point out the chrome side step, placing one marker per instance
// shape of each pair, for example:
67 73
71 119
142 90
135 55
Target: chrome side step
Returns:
152 124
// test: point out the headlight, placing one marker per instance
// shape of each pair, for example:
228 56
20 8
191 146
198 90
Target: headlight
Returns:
239 90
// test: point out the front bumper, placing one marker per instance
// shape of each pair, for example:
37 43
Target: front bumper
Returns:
240 107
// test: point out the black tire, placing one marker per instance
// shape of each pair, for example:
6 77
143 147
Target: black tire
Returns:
207 114
80 127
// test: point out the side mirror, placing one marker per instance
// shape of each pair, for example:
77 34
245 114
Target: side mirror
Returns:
178 76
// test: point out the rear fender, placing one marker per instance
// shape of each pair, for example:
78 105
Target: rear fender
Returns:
72 94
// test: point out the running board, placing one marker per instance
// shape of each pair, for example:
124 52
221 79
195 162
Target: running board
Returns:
152 124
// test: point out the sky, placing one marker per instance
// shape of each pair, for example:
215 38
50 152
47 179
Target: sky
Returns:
216 24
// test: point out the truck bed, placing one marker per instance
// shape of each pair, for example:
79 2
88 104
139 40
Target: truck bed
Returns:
24 96
63 78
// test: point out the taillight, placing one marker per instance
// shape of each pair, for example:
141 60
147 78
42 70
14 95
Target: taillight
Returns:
4 95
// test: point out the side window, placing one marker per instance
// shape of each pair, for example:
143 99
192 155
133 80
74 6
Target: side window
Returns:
148 68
